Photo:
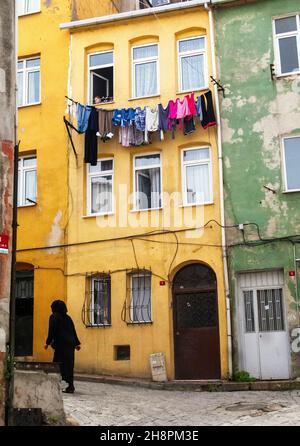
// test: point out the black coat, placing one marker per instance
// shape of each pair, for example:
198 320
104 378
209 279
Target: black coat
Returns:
63 338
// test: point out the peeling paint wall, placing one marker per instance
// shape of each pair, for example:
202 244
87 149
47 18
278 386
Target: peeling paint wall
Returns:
256 113
7 120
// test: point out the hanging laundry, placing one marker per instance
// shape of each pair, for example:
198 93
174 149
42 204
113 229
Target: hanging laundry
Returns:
130 136
209 118
173 117
182 110
117 117
191 105
105 124
126 136
138 137
188 125
91 141
83 114
163 120
140 119
128 117
198 105
151 121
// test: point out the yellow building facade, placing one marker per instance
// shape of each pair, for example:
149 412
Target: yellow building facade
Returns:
138 277
43 63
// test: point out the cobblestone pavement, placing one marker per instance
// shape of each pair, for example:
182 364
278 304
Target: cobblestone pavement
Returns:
97 404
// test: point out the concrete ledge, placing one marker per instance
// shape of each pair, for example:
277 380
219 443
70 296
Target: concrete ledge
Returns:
193 386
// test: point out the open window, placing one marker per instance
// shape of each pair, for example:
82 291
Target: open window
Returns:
101 77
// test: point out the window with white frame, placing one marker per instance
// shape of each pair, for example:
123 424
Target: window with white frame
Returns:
159 2
192 64
197 176
100 302
28 80
101 77
291 149
147 179
27 187
287 41
140 306
100 187
145 70
28 6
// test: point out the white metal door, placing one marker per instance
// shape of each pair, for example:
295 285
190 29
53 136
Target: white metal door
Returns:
264 349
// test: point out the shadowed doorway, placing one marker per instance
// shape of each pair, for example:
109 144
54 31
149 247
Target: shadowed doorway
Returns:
196 325
24 311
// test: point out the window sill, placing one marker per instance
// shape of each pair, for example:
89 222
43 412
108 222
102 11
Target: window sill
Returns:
98 215
99 326
209 203
103 103
290 191
192 91
140 323
144 97
146 210
29 13
294 73
26 205
29 105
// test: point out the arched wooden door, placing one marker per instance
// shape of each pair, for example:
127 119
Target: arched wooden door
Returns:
196 325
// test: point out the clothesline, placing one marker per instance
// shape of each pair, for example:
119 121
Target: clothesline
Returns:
136 125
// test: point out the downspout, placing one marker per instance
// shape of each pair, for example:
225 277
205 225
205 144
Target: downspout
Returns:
222 210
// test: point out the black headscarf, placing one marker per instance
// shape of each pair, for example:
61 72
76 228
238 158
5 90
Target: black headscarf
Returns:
58 306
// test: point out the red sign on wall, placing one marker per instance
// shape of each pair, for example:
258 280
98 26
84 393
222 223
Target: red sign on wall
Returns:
4 244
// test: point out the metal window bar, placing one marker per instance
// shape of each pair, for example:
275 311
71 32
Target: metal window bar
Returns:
96 311
249 311
270 310
137 305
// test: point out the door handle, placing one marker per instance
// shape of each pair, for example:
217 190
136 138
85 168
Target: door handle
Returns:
177 333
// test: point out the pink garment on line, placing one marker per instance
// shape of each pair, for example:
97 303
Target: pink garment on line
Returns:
182 108
172 113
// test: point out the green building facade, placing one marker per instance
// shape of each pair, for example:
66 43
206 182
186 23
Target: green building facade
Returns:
258 58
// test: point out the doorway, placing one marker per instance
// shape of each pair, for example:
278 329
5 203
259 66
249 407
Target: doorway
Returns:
264 347
24 313
196 324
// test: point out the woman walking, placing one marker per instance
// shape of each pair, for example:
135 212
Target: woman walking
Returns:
63 339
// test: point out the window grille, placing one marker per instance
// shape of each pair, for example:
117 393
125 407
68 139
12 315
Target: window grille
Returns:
96 311
137 305
270 310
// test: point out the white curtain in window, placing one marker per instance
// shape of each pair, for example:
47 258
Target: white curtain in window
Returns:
141 299
146 79
30 186
192 72
143 52
20 4
143 189
20 88
198 184
33 87
33 5
155 187
101 194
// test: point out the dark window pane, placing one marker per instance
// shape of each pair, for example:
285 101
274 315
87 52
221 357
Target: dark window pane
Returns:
286 25
292 162
288 54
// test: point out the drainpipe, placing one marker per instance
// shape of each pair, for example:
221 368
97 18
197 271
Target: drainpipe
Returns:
220 158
